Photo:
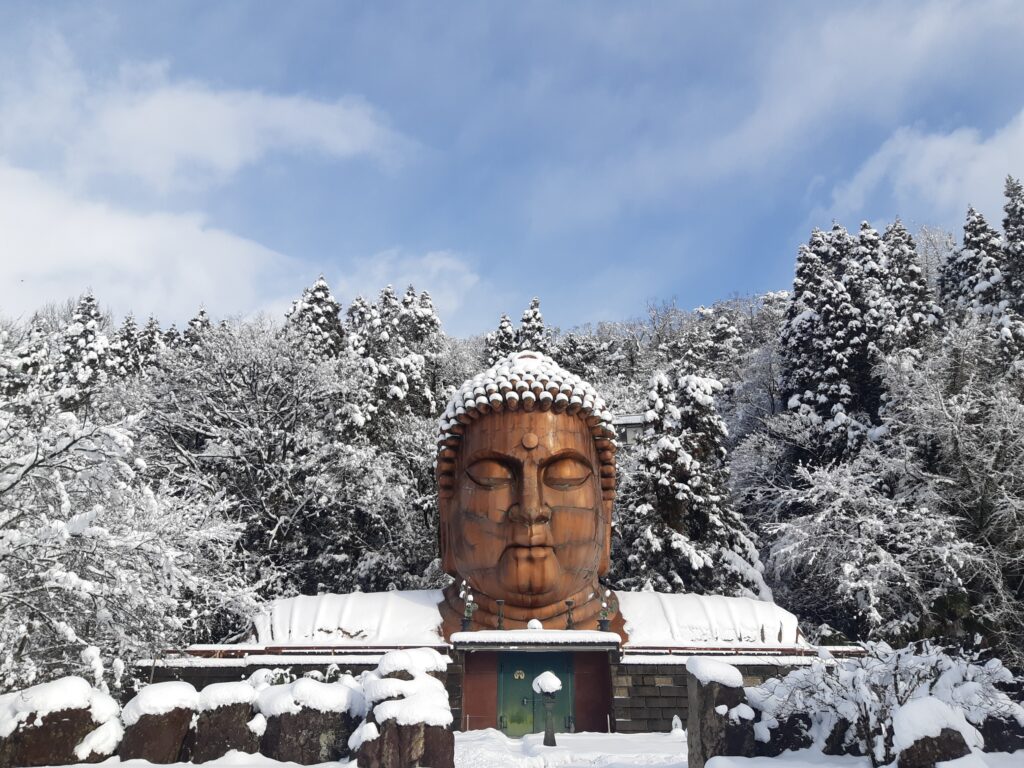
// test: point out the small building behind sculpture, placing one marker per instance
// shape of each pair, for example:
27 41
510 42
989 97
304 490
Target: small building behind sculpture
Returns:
627 683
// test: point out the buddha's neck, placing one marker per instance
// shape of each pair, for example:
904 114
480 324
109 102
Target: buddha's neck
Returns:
586 605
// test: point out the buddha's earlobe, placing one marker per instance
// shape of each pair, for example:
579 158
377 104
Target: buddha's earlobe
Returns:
606 525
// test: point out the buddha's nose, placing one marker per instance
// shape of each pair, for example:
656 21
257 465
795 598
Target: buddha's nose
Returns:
530 510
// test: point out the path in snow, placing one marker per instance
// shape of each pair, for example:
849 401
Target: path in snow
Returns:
493 749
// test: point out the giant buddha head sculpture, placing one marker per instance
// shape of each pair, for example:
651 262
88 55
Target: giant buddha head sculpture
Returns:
526 478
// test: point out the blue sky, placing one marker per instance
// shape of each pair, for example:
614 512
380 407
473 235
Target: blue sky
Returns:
598 155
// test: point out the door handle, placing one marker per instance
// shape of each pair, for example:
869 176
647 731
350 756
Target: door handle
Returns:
525 701
502 722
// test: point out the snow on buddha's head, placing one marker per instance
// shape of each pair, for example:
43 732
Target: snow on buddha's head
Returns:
526 476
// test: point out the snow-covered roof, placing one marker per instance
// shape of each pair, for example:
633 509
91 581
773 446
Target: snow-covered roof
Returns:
659 620
398 618
411 618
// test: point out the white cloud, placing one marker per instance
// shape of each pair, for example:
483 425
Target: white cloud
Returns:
65 133
55 245
816 77
169 133
932 177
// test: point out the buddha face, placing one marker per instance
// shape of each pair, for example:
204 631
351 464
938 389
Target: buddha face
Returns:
525 521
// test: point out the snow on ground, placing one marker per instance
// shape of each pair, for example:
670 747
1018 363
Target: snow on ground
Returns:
493 749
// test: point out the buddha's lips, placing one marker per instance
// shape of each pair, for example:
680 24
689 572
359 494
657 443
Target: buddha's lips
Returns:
533 551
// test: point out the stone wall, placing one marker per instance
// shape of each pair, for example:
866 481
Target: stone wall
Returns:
645 697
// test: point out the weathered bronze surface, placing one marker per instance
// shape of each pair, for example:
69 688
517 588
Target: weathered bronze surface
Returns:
525 518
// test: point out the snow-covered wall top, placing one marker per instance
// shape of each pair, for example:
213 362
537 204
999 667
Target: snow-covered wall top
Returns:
407 617
404 618
654 619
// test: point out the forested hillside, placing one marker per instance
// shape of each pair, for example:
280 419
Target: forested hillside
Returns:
852 449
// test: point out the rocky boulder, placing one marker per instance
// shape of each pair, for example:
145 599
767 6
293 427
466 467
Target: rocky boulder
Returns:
1002 734
408 719
927 731
309 722
227 721
720 722
157 722
58 723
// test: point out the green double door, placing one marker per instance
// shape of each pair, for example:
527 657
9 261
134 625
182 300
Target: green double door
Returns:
520 710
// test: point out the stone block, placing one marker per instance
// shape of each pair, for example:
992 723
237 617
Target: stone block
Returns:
927 752
663 680
156 738
710 734
48 740
307 737
218 731
438 747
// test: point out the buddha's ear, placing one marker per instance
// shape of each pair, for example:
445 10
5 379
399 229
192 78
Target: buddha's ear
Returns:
606 520
446 534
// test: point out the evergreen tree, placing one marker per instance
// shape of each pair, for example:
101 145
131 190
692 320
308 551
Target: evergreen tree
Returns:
973 284
914 308
970 281
172 338
870 335
1013 244
126 351
577 352
27 366
197 328
533 334
151 342
679 533
821 337
82 365
502 342
316 321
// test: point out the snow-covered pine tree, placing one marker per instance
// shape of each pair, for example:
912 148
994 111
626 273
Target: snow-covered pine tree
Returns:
533 334
315 319
820 338
197 327
125 357
678 532
973 283
1013 244
872 336
577 352
502 342
82 364
172 337
27 366
970 281
151 342
915 310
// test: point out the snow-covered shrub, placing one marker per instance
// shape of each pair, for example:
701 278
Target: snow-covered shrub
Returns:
862 695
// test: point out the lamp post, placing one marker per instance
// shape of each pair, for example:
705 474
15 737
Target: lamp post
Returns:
547 685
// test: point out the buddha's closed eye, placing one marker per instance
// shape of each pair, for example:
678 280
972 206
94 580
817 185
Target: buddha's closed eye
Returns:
566 473
488 473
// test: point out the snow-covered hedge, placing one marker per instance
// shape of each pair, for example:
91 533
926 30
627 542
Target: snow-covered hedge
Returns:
869 696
